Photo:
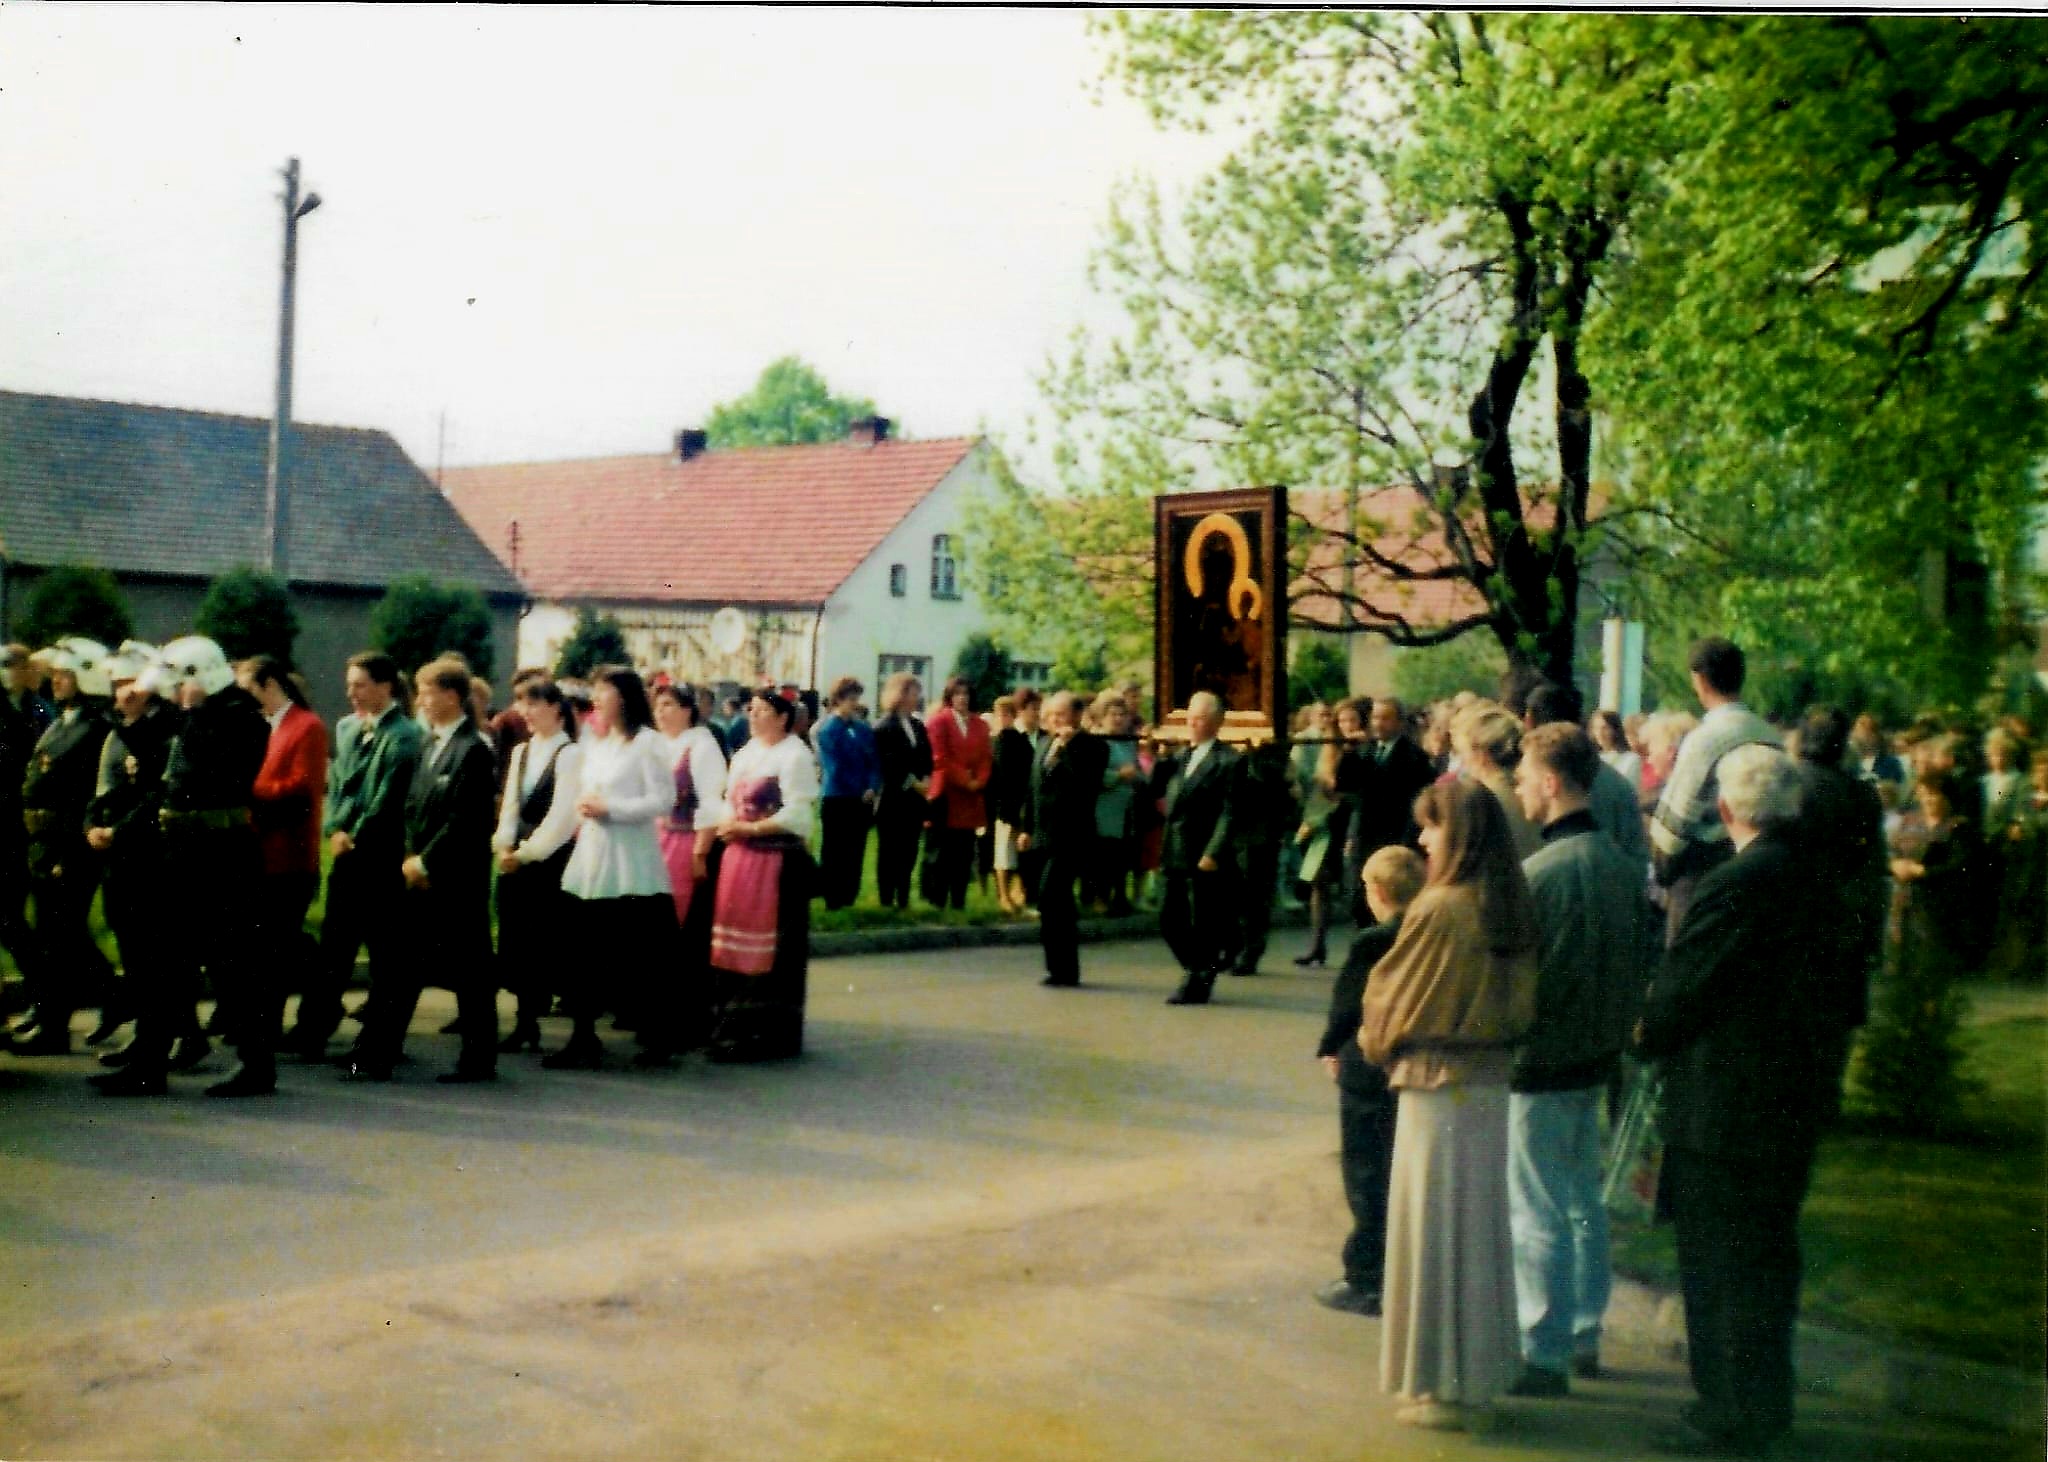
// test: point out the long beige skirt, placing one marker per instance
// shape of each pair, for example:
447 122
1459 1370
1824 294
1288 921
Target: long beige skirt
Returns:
1449 1330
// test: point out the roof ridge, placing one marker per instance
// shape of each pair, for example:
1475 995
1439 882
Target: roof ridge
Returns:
261 421
965 441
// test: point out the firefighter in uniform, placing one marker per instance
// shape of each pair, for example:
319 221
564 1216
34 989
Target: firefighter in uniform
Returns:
68 971
209 862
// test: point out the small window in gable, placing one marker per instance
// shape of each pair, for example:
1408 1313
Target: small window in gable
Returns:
899 580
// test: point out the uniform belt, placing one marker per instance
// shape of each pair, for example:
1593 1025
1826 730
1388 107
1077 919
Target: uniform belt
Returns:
217 819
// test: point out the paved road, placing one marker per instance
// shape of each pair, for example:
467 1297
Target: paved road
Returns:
981 1220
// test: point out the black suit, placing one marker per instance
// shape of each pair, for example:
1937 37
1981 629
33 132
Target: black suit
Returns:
1380 782
68 970
450 814
1198 915
905 754
1058 815
1737 1021
1365 1112
1840 834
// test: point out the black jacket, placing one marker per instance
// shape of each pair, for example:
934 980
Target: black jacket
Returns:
1010 784
1733 1016
1266 812
451 812
1841 840
63 772
216 754
1385 791
1059 811
1198 808
902 758
132 792
1356 1075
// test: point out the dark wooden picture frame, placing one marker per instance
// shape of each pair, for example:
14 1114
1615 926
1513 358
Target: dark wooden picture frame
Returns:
1220 620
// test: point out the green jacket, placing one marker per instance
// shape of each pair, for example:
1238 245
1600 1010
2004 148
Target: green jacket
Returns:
369 778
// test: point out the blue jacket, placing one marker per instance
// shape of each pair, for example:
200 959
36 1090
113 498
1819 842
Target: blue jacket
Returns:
846 753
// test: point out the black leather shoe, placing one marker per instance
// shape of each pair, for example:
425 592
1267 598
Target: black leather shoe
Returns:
245 1083
130 1082
115 1059
523 1038
110 1022
1314 959
583 1056
190 1051
358 1069
38 1040
1194 990
1056 982
1342 1294
466 1076
1540 1382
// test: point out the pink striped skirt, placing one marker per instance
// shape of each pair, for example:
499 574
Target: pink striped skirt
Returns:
744 909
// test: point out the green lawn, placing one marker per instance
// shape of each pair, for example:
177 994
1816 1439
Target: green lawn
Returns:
1934 1243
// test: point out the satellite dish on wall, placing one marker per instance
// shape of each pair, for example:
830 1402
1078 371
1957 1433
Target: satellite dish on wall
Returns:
728 631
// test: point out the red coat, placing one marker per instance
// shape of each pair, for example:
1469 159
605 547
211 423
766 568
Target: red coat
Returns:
960 769
290 792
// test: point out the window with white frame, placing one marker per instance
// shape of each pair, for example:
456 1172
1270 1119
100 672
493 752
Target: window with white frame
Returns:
918 665
945 570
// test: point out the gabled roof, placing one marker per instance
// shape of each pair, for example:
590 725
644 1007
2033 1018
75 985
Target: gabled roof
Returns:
159 490
750 525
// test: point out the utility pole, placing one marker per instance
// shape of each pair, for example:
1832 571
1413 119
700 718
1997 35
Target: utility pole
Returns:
277 481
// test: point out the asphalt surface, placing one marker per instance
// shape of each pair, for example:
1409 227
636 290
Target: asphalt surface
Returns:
979 1220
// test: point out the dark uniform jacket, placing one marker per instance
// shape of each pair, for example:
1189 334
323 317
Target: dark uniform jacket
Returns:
1198 808
1355 1074
215 756
1059 810
62 775
1732 1017
130 790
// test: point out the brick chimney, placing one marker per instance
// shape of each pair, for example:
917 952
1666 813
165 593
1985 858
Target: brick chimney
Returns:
866 431
691 442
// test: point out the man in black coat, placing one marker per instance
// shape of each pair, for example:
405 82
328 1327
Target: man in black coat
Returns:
1841 837
1265 814
445 912
1384 776
1365 1103
1056 820
1736 1020
209 863
1198 854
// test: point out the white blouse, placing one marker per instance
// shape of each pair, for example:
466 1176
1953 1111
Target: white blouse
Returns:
618 855
707 771
793 766
529 765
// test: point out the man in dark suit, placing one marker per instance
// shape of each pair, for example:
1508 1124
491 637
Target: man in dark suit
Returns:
1387 773
1365 1103
1056 820
376 747
1841 836
1736 1021
1197 854
1265 814
445 910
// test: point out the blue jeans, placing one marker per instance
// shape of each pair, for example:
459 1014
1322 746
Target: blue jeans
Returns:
1559 1223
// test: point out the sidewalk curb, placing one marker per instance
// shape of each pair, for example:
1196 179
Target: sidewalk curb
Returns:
1857 1368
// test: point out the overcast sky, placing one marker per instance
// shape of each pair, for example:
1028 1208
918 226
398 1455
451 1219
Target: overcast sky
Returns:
571 230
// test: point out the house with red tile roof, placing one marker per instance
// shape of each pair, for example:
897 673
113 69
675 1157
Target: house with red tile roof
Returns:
838 559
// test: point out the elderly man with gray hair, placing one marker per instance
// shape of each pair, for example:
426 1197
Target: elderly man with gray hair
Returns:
1197 853
1735 1020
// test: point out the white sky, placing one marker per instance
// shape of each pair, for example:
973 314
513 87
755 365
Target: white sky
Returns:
571 230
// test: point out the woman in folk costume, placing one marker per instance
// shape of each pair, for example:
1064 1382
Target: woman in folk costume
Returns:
535 837
1444 1010
615 879
699 774
760 919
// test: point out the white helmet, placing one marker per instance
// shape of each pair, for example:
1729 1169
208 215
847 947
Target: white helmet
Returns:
193 657
128 662
86 659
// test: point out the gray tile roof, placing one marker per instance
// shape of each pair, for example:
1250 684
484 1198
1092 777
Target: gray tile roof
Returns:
157 490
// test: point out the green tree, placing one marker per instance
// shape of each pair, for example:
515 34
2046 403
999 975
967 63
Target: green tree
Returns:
984 664
1824 353
1321 672
597 639
790 404
1378 299
419 618
1441 671
75 599
249 612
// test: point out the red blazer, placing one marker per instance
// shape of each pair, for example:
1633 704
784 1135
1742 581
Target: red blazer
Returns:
289 794
960 769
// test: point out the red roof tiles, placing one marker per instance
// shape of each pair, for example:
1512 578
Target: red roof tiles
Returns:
753 525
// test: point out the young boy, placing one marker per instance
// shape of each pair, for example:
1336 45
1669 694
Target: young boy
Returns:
1365 1104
